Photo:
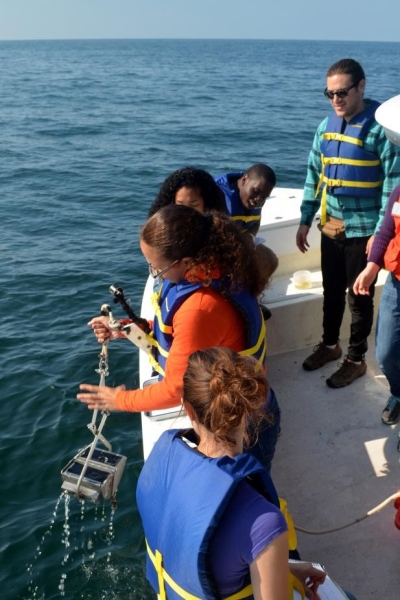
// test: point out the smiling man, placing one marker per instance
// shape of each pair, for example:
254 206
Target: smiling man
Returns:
352 168
245 194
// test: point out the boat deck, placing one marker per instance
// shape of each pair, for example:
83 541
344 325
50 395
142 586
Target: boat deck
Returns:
335 461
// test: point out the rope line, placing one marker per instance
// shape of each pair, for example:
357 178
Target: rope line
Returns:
368 514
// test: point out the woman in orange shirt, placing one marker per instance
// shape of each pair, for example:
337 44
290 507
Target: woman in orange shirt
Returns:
208 299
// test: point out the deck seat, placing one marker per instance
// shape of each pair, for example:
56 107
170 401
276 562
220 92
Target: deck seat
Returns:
297 314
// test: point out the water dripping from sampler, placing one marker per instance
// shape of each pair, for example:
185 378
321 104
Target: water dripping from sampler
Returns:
110 533
65 539
72 548
91 476
30 568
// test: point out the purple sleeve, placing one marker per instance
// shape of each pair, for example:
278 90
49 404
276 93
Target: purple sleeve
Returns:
264 522
386 231
248 525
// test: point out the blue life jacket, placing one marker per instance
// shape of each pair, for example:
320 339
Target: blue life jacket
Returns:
243 217
347 168
181 496
170 298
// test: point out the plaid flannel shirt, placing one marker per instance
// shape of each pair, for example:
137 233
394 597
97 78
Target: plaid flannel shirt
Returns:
361 216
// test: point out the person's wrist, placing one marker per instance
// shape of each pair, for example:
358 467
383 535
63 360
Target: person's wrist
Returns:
372 266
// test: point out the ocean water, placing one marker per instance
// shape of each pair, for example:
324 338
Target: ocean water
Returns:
89 130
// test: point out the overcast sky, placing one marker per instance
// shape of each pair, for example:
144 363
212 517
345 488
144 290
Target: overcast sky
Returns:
248 19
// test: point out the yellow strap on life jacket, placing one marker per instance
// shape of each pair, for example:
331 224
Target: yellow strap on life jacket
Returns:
340 137
156 366
261 339
340 183
289 521
157 311
244 593
338 160
161 350
163 577
348 183
246 219
248 352
154 298
164 328
159 570
295 584
156 559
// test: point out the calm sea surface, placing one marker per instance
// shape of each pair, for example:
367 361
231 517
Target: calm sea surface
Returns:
89 130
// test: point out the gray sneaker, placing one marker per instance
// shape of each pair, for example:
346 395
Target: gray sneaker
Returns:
391 412
320 356
347 373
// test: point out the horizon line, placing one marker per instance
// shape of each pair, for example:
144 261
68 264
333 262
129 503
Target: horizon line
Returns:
177 39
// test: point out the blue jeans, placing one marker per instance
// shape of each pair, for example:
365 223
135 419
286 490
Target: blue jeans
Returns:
388 334
263 439
350 596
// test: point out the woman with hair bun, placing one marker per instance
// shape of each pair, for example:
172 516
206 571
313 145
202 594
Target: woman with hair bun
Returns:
209 511
208 298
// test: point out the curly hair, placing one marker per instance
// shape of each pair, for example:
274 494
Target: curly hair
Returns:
193 178
224 388
213 243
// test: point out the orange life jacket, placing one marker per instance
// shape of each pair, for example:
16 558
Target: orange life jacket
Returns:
392 254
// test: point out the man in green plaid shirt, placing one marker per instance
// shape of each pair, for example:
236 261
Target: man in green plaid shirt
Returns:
352 169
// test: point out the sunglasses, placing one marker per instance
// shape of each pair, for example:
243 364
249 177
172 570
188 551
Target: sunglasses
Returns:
155 273
343 93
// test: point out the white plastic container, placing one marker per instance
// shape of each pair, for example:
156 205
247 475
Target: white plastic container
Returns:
302 280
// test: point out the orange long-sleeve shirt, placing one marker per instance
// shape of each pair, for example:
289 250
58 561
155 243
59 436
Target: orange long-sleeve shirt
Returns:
204 320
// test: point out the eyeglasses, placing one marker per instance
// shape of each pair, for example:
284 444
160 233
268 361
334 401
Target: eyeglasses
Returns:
155 273
343 93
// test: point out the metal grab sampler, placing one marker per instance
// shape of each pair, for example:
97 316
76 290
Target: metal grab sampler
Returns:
94 474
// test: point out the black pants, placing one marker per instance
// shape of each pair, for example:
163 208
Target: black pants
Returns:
341 262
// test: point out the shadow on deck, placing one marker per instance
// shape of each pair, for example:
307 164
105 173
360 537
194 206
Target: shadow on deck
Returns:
335 461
